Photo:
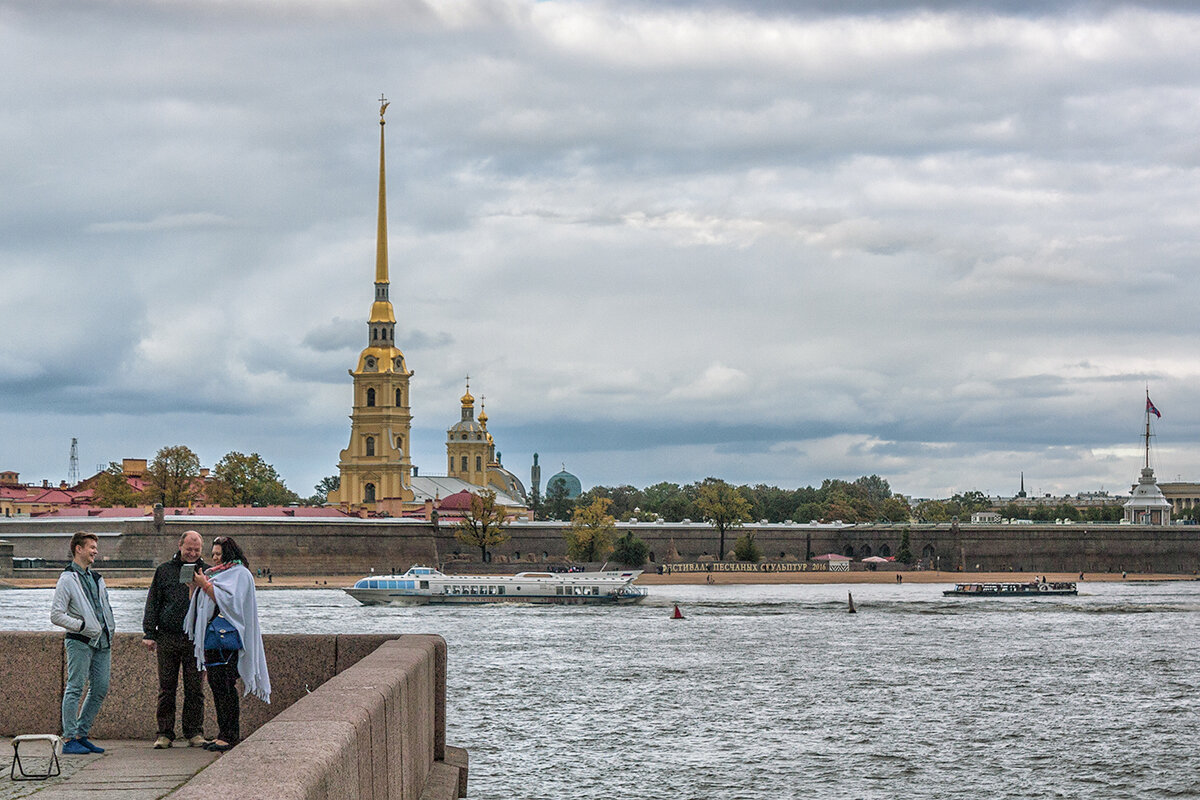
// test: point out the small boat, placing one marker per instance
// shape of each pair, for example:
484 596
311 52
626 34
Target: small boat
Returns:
428 586
1031 589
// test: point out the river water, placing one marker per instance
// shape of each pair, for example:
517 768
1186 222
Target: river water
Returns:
777 692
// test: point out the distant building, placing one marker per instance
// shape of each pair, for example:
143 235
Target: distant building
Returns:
574 487
1184 496
375 467
535 482
375 470
1147 506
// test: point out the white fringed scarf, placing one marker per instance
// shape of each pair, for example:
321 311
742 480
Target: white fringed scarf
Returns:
233 589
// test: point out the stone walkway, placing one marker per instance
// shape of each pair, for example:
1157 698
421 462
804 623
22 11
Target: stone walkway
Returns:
126 770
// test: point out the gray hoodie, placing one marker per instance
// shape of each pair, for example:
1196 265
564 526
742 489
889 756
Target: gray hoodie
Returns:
72 610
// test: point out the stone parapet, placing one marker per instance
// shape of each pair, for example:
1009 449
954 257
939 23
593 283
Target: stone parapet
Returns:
369 732
352 715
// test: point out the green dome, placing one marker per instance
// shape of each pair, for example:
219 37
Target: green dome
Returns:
574 487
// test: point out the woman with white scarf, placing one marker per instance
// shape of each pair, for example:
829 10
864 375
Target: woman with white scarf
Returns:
227 589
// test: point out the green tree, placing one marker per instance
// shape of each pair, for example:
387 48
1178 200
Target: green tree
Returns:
931 511
746 549
173 477
807 512
590 535
1067 511
112 488
669 501
1041 513
904 554
968 503
483 524
251 481
330 483
557 505
894 509
630 550
723 506
874 488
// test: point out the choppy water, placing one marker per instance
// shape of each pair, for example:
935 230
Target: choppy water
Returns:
777 692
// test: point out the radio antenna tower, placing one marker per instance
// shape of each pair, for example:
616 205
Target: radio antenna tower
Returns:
73 471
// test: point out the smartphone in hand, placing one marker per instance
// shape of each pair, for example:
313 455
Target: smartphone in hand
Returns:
186 573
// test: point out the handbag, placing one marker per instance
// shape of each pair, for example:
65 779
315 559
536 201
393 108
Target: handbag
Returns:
221 635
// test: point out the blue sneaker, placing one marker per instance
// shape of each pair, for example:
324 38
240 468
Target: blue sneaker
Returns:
83 740
75 748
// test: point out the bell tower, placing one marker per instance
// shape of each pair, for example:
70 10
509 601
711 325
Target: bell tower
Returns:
467 452
375 468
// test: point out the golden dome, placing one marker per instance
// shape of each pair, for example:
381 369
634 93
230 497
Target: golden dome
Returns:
467 400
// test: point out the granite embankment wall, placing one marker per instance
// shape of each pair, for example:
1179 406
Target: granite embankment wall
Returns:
350 715
356 546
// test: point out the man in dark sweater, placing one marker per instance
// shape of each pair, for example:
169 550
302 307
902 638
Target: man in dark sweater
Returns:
162 627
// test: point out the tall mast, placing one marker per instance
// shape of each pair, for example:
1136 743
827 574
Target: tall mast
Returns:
1147 427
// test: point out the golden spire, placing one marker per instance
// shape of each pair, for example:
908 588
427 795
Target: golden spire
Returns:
467 400
381 309
482 412
381 248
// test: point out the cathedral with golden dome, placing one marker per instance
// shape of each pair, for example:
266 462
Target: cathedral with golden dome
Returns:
375 470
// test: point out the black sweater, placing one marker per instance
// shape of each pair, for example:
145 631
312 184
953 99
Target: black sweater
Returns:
167 601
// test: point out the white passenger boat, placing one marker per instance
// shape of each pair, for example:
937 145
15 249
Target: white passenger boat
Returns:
425 585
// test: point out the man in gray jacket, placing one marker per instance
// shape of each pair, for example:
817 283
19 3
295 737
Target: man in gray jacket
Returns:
81 608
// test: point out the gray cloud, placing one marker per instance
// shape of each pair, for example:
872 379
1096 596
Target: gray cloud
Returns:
777 242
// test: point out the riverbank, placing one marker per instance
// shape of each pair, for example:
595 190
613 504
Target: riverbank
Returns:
695 578
916 576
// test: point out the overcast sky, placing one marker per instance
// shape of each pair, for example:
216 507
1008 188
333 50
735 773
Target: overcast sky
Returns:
944 243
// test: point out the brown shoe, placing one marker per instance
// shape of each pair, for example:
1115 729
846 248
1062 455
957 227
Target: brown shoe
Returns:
162 743
197 741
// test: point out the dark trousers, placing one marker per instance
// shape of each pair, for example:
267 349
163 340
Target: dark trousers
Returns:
222 679
175 655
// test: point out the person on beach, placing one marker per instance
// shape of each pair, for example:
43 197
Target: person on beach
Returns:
227 589
162 631
81 608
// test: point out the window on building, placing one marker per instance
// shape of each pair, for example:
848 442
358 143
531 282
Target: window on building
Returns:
370 397
399 398
400 443
375 334
451 467
370 445
479 463
369 493
464 463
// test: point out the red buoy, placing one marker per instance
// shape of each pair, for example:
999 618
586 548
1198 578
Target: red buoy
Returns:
678 614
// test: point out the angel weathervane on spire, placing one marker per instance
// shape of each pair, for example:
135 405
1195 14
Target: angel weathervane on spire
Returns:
383 104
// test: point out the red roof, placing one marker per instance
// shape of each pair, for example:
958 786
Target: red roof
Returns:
459 501
54 496
206 511
262 511
95 511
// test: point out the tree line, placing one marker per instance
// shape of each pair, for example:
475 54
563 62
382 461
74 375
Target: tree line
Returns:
173 479
867 499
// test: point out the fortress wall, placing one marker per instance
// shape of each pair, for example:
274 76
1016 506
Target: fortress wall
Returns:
323 547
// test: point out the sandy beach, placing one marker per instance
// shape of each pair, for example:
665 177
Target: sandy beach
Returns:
689 579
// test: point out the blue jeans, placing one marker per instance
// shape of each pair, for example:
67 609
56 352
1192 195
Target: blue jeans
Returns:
84 664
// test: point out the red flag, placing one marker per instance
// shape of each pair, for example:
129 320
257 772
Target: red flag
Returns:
1150 409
